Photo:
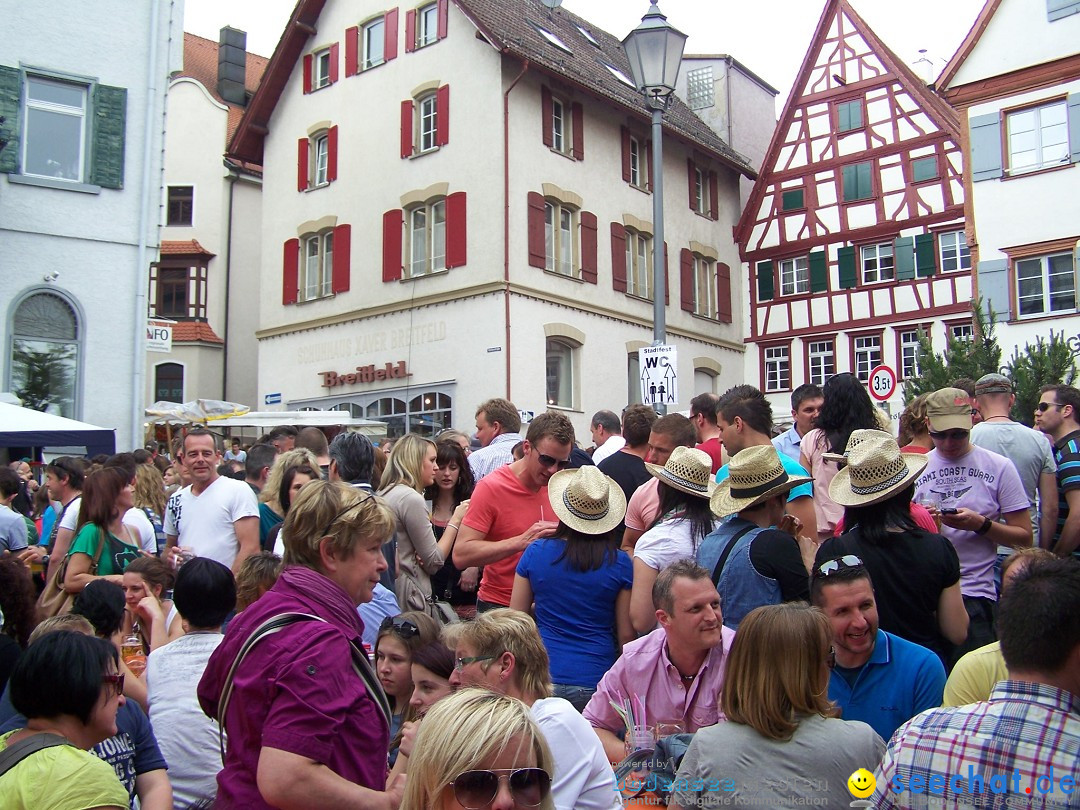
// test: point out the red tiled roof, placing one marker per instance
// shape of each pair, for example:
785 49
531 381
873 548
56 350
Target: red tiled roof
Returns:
201 64
194 331
183 247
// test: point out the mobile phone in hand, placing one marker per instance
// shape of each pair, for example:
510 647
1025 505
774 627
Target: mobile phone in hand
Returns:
948 510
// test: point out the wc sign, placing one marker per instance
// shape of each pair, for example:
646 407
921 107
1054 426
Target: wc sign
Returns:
659 382
158 336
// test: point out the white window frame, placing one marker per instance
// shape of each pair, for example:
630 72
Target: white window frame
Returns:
700 191
872 263
777 368
795 276
373 33
909 353
705 303
953 251
427 25
821 360
866 354
639 264
560 242
560 126
320 160
1045 276
427 123
426 239
1044 154
564 355
318 265
635 162
962 331
320 69
32 105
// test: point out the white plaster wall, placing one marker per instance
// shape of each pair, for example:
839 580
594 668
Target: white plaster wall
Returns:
242 347
91 239
1018 36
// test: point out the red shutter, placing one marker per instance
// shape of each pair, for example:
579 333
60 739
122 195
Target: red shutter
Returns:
442 115
444 14
686 280
406 128
390 29
546 114
302 164
691 179
331 154
290 272
334 63
714 197
392 224
579 131
667 281
625 133
455 230
723 292
648 162
339 280
618 257
588 247
410 30
307 73
537 251
352 51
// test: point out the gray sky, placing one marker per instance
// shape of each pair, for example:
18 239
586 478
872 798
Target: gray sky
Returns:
770 37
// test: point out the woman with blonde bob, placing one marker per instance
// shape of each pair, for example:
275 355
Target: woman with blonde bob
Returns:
478 749
271 511
780 722
409 471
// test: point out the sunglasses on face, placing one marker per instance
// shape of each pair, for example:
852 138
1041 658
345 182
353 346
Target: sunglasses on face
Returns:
832 566
548 462
1043 407
949 435
402 627
117 680
461 663
475 790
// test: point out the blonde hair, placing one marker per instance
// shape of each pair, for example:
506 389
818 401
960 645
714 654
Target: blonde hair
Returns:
256 576
65 621
405 462
149 489
504 630
350 517
1026 555
776 669
290 458
460 733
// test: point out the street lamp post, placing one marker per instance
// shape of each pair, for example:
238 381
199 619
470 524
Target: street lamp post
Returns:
655 50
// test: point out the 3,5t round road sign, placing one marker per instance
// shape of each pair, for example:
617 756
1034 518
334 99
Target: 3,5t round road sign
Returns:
882 383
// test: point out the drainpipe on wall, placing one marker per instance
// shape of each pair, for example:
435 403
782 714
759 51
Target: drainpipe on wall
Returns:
142 269
231 179
506 216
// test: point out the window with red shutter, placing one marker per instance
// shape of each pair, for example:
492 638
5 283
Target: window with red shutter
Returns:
624 134
723 292
390 48
410 30
342 258
537 250
290 275
588 247
303 146
714 196
618 257
456 232
691 183
393 226
352 51
686 280
308 60
407 128
444 18
578 127
442 116
331 154
546 115
334 55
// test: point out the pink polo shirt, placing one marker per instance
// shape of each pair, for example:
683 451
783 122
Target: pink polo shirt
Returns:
644 670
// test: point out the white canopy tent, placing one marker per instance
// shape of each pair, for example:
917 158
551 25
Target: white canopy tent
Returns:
23 427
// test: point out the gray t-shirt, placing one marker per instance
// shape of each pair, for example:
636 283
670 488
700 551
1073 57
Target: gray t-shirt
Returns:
12 530
730 764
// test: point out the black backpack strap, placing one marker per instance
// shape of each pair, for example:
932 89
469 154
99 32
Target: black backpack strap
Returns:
719 569
14 754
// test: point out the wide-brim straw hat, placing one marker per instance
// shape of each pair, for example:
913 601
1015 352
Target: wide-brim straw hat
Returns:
876 470
854 440
754 475
688 470
586 500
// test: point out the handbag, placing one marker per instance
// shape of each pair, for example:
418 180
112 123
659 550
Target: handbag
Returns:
440 611
54 600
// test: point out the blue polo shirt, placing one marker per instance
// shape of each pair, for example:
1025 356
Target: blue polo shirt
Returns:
900 680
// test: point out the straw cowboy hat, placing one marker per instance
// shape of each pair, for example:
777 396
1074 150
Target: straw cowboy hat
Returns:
856 437
754 475
586 500
687 470
876 470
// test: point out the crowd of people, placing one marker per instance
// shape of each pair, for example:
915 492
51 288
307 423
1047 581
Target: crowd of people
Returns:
692 611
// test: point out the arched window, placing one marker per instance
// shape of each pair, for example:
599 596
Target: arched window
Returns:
169 382
45 354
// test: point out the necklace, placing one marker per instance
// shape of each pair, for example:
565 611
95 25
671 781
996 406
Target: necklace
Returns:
687 678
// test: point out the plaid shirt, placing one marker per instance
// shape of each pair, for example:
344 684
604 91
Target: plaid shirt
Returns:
496 454
1030 728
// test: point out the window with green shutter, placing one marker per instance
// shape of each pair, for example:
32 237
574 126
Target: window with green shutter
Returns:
765 284
904 258
792 200
107 155
925 264
849 115
858 182
10 90
819 271
845 260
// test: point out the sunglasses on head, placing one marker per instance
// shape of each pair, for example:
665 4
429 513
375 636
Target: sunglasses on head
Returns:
475 790
400 626
548 461
1043 407
342 514
947 435
832 566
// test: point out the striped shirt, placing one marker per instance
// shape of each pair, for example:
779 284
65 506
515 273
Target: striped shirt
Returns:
1067 456
988 754
495 454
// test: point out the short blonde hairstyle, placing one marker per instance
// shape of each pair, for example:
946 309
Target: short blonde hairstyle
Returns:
405 462
504 630
65 621
351 518
460 733
256 576
290 458
776 669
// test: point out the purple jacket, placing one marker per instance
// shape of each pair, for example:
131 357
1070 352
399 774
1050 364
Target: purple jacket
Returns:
296 691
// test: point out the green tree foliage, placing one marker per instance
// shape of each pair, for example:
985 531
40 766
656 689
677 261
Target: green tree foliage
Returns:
961 358
1048 362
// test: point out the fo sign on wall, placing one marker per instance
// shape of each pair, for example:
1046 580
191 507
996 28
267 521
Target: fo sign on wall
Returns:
158 337
882 383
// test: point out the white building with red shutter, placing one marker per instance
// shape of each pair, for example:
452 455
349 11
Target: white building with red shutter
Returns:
1016 82
853 239
457 205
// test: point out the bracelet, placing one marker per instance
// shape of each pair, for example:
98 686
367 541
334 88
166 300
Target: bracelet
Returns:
987 523
453 526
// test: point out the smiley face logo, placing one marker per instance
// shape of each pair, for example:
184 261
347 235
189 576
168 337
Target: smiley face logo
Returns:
861 783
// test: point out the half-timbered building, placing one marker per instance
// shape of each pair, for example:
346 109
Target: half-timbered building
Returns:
853 238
